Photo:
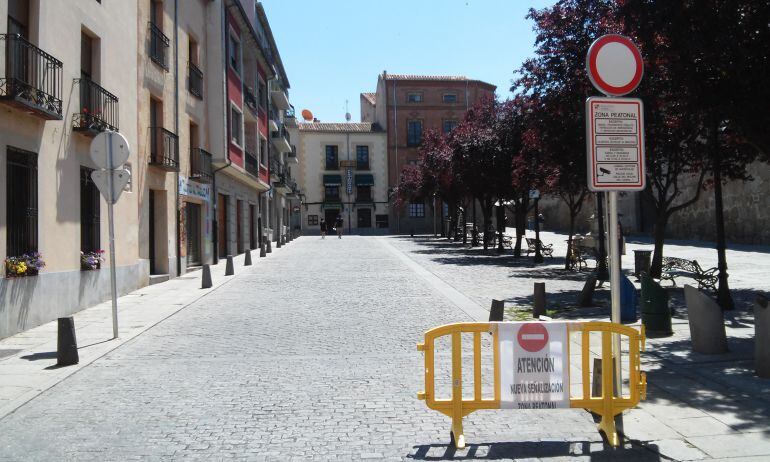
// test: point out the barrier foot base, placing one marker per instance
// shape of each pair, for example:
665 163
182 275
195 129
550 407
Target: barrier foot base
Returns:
456 436
607 426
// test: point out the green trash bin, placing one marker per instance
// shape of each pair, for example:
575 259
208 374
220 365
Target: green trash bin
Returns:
656 315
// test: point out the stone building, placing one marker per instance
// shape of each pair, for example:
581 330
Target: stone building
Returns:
407 105
343 171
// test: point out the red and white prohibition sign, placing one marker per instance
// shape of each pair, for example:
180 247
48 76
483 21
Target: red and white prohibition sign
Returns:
533 337
614 65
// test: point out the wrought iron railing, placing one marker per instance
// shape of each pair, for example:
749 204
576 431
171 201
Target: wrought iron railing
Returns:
98 108
31 76
158 46
290 112
164 149
200 165
252 164
276 168
195 82
282 132
250 99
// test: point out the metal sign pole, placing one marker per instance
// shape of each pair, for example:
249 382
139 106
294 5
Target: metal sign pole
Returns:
110 218
615 284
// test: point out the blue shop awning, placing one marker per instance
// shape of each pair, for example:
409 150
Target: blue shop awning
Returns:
366 179
332 180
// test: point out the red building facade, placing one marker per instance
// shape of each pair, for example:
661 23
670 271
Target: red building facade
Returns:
406 106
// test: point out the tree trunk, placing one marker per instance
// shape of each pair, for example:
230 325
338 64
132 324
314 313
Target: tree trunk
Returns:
486 210
723 294
572 219
520 218
500 225
462 225
659 237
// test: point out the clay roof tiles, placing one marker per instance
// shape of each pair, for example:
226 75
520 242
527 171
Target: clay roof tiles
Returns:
371 97
339 127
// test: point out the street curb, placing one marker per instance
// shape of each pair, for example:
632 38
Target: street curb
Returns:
465 304
16 403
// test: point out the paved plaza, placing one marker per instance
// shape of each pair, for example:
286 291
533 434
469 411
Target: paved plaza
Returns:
310 355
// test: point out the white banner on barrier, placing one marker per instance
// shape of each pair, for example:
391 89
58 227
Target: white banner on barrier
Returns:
534 368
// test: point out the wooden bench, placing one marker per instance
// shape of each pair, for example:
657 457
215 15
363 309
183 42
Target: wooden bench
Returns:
546 250
674 267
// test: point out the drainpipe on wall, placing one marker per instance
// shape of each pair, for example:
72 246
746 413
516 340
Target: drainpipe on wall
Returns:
176 130
225 107
395 130
350 198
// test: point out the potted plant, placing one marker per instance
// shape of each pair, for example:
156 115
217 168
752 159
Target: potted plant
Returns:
91 260
28 264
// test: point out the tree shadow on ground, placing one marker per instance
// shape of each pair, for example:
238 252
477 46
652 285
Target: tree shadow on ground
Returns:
536 449
553 272
723 385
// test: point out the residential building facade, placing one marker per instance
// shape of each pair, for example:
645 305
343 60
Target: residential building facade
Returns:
191 89
343 171
65 76
405 106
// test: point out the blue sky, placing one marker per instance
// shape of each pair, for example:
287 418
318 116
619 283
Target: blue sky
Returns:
334 49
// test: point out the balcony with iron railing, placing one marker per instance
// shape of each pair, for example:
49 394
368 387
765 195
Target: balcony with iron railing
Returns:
250 100
281 139
280 99
252 164
276 167
200 165
98 109
195 80
159 45
273 122
164 149
31 79
292 155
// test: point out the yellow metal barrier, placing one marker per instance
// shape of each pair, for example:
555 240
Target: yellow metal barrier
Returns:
607 405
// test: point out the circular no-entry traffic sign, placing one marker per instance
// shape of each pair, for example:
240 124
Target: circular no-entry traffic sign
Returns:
614 65
532 336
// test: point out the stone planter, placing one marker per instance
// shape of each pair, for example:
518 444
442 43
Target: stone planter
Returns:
707 324
762 337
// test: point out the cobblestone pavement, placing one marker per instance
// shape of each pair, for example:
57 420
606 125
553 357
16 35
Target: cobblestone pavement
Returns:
310 356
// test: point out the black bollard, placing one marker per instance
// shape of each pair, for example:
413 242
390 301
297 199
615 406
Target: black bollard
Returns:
269 247
262 252
539 308
206 277
587 294
66 343
497 311
229 269
247 258
596 380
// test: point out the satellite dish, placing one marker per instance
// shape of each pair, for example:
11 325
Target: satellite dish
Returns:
307 115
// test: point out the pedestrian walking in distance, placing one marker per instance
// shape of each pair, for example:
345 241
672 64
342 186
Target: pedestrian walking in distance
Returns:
323 228
338 224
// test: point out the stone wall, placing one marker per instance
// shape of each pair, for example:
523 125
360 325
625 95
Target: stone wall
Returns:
746 212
